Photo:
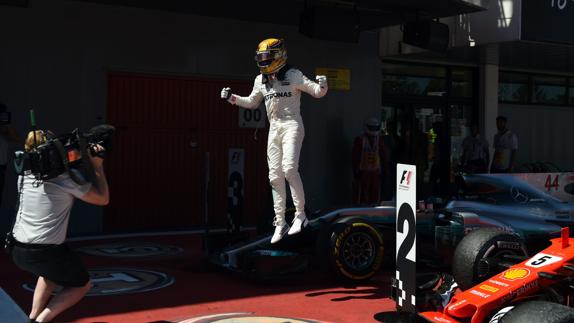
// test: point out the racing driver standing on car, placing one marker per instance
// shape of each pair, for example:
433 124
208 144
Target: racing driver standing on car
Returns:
280 85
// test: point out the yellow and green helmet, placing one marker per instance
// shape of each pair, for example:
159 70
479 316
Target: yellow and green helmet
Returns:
271 55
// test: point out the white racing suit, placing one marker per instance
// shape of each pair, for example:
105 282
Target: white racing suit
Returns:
286 132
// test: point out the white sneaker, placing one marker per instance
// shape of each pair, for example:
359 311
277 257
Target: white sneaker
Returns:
299 222
281 229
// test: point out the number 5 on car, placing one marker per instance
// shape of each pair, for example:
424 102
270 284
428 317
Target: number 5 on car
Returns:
542 259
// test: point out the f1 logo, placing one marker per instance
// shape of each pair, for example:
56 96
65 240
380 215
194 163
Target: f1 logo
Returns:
406 176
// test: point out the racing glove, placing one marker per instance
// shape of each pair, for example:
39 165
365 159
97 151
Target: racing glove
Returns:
322 80
226 94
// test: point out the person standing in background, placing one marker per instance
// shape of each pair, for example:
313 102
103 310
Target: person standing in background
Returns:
414 149
368 160
390 144
505 148
475 154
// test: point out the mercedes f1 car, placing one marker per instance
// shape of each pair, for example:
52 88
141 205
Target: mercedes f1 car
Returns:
350 241
355 243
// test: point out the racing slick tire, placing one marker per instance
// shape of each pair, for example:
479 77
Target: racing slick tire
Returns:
540 312
353 251
471 263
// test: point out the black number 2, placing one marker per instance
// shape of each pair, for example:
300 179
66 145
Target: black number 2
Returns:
406 215
406 268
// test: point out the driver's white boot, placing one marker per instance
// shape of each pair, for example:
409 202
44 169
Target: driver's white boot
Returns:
299 222
281 228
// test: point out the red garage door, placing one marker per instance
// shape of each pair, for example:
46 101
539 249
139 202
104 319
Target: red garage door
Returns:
166 128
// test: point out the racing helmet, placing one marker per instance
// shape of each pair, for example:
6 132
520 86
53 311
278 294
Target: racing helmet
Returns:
271 55
373 126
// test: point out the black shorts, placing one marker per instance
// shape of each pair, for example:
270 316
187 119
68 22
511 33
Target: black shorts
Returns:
56 263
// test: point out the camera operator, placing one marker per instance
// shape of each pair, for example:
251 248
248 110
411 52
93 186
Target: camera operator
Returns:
40 229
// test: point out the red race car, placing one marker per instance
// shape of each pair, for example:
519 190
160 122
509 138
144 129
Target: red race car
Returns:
537 289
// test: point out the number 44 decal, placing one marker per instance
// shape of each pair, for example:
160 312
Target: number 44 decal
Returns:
542 259
551 184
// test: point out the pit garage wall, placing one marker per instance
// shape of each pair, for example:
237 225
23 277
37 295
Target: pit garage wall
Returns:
55 56
544 133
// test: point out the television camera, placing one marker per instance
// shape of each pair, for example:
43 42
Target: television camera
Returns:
65 153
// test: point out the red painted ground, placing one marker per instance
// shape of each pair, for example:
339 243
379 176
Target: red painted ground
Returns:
200 290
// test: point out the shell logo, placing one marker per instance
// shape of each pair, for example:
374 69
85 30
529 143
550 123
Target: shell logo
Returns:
515 273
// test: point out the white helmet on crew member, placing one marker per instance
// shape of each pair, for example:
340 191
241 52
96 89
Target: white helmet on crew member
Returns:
373 126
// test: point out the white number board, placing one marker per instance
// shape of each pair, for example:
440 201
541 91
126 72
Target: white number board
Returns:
406 237
252 118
